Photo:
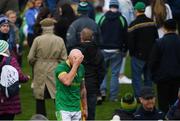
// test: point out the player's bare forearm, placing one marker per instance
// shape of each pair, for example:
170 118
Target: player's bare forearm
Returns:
84 99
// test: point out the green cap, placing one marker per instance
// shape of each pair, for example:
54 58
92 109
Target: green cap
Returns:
139 6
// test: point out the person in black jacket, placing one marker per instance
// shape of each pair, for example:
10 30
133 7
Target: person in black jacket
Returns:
64 16
94 69
142 35
165 65
114 38
147 110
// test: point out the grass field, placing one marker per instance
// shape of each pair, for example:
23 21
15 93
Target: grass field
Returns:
103 112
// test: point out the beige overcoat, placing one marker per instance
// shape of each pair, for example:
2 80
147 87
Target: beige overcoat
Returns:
46 52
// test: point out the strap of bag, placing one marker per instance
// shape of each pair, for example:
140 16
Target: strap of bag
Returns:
8 60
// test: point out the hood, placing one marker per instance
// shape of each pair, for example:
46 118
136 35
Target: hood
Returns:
112 15
89 50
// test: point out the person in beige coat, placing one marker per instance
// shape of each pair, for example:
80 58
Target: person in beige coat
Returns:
46 52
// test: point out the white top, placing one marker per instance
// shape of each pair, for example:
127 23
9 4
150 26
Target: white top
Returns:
148 12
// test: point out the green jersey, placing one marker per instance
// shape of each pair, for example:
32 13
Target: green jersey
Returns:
68 98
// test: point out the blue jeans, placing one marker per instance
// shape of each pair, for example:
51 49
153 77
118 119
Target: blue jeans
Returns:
91 102
139 68
112 60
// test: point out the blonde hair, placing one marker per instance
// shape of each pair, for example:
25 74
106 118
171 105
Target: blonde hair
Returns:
86 34
31 3
9 12
158 11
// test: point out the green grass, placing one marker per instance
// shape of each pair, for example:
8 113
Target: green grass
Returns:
103 112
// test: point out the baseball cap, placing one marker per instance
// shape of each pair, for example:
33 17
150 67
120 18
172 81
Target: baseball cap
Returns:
139 6
147 92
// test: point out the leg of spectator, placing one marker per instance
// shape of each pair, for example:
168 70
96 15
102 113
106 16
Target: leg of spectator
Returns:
137 70
115 63
163 96
147 77
40 107
104 85
91 101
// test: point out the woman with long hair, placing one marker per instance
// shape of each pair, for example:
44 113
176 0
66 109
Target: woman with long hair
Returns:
159 11
65 16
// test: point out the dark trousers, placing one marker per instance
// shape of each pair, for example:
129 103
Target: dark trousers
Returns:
167 94
9 117
40 107
91 102
40 104
30 39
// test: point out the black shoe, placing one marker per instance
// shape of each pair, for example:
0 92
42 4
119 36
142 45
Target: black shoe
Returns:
103 98
103 95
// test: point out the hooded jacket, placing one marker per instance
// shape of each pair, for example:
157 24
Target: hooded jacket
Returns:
114 31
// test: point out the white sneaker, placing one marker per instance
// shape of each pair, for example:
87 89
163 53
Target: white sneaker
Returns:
125 80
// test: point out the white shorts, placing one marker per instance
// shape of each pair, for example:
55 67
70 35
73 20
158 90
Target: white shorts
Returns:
68 116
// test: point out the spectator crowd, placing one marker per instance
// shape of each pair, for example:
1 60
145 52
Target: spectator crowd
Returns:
76 46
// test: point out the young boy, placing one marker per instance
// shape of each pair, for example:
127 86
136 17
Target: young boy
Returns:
94 69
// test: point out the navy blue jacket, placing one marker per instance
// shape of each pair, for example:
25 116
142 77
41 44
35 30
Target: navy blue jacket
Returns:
165 59
123 114
142 114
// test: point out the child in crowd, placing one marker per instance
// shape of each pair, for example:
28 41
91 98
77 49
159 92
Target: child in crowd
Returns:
10 106
94 69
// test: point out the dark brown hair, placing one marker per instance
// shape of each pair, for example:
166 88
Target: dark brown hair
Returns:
158 11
